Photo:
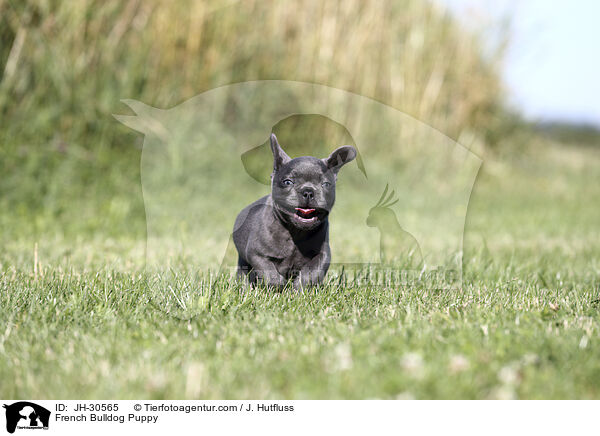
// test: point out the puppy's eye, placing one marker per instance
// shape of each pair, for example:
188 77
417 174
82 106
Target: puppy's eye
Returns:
326 184
287 182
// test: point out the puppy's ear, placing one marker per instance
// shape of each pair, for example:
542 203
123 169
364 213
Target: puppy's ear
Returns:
279 156
340 157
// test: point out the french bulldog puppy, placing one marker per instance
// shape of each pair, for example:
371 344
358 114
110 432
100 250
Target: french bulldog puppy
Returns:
285 236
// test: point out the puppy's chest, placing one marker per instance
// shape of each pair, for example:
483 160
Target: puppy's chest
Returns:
296 259
291 258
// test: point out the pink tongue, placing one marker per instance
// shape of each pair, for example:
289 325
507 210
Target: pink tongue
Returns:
305 211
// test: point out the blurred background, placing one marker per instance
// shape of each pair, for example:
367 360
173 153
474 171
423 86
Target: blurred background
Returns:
549 67
514 82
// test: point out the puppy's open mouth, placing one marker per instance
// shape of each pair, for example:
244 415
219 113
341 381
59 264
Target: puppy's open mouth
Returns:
306 214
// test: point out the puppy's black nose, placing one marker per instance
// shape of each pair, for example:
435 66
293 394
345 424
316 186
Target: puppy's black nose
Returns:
308 193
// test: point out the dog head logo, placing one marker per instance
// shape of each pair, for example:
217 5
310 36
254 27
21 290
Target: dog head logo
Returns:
26 415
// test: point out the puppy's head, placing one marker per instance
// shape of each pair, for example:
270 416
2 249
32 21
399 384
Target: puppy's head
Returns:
303 189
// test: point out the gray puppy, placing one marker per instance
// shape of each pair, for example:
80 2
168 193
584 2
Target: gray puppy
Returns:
285 236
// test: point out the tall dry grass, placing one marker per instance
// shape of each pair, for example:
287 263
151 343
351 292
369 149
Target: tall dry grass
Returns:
64 66
69 63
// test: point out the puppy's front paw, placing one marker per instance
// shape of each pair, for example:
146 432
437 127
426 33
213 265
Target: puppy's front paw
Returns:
308 279
271 279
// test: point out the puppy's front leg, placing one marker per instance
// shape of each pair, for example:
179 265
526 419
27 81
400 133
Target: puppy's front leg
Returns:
314 271
263 270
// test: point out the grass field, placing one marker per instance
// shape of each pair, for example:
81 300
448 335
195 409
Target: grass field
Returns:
81 315
77 319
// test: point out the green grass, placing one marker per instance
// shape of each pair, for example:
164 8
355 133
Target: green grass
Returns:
88 323
80 317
